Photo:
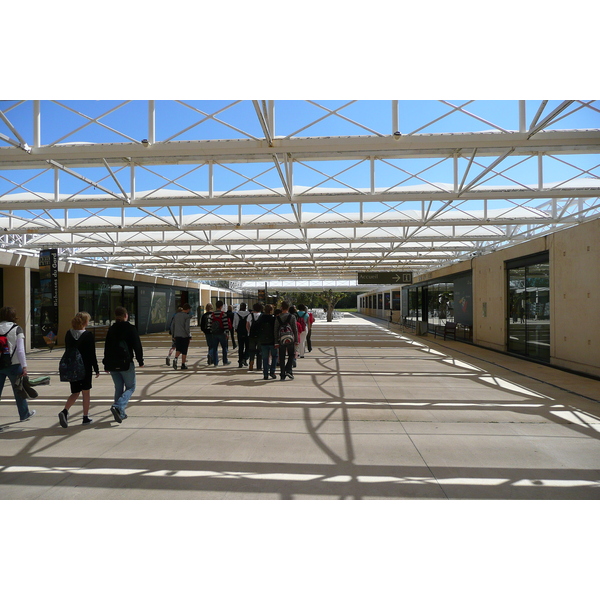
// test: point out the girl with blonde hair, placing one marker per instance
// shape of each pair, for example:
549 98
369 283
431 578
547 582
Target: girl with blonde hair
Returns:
84 341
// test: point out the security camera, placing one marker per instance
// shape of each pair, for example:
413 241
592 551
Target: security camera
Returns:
145 143
397 135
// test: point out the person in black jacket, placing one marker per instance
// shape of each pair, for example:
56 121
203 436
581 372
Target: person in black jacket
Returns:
205 328
83 340
123 376
266 339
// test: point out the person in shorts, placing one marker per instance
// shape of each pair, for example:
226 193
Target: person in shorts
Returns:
180 330
83 340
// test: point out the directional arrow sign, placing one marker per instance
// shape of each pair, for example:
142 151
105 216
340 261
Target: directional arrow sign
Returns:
398 277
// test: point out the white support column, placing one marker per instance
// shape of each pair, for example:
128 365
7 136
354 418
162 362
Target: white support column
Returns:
395 118
291 175
132 173
37 124
372 174
210 178
540 171
271 116
240 214
56 185
151 121
455 159
522 117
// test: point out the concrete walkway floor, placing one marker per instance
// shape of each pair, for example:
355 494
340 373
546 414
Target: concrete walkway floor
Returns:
372 414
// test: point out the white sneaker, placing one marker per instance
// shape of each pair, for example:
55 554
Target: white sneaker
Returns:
28 416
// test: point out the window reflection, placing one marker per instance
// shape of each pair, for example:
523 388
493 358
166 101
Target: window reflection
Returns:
529 310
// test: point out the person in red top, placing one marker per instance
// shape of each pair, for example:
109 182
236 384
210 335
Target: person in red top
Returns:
220 325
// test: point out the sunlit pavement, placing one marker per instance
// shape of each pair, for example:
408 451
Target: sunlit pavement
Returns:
371 414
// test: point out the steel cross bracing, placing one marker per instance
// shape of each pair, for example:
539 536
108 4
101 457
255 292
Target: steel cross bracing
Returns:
255 190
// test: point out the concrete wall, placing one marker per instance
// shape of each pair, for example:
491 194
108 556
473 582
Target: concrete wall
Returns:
575 298
574 295
490 293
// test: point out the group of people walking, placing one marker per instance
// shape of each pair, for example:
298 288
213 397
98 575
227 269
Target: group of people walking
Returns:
78 363
267 338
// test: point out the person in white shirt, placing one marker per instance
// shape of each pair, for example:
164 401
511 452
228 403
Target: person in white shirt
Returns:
17 362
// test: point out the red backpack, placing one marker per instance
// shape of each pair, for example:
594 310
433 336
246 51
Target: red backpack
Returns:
300 323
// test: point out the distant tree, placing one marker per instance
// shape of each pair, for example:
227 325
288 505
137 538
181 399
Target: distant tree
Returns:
329 299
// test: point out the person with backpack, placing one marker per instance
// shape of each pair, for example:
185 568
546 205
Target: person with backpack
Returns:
172 349
205 328
78 339
219 328
266 339
239 325
121 345
13 363
253 341
286 340
231 316
303 325
180 330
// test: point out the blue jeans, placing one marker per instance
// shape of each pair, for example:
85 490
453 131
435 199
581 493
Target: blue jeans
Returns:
288 350
216 339
13 373
124 387
267 351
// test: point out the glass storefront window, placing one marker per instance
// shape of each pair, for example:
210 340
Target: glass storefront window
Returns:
529 310
440 303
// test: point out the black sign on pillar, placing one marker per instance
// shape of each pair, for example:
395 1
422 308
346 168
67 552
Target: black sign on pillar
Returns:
262 296
48 263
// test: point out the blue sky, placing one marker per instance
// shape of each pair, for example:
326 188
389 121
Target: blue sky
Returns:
290 117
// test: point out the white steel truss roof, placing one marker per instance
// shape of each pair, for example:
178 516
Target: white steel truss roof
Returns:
161 195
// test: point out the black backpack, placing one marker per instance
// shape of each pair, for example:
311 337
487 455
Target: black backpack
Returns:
255 326
241 328
71 367
5 354
119 357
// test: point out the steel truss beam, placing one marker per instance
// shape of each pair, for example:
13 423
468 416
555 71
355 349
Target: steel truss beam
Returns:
294 226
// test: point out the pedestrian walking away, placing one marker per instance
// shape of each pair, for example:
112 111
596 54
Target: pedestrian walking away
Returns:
172 349
121 345
311 320
205 322
231 316
303 328
239 325
180 330
81 340
266 338
219 327
253 341
13 363
286 340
